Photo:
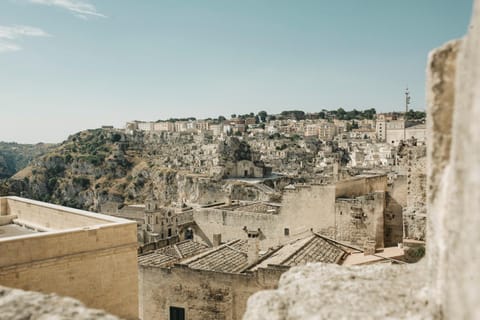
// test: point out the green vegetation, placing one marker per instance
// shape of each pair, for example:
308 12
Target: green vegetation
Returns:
178 119
83 182
416 115
14 157
293 114
354 114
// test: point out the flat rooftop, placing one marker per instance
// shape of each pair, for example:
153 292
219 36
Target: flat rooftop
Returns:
13 230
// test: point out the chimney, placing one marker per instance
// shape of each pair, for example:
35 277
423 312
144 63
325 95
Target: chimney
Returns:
252 253
217 239
369 247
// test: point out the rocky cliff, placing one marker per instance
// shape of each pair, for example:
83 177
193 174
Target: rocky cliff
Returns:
94 167
14 157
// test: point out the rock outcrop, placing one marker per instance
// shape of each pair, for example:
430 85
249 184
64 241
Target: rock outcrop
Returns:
19 305
327 291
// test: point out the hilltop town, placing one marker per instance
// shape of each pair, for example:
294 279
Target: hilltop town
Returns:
240 200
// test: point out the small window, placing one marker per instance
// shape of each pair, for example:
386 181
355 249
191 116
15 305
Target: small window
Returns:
169 232
177 313
286 232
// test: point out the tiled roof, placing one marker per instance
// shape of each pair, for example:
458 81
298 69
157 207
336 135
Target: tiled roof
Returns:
190 248
230 258
170 254
156 259
315 250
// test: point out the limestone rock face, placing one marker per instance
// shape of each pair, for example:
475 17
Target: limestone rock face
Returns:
327 291
454 174
18 305
234 149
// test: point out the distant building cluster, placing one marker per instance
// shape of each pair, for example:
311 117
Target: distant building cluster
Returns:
386 127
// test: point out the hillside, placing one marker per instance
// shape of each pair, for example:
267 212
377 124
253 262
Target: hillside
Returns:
14 157
96 167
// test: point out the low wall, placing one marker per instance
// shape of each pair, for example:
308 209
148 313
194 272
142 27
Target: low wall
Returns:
230 224
360 185
52 216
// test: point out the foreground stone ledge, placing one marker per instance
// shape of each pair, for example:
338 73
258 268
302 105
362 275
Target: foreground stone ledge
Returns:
19 305
326 291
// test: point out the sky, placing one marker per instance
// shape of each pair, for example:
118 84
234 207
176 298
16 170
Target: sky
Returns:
71 65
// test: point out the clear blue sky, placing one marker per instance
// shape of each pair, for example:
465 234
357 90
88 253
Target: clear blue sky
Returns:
69 65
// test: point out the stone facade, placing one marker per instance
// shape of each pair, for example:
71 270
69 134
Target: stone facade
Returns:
327 209
87 256
360 219
396 201
202 294
415 215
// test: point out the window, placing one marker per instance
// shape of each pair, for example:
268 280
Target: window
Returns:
286 231
169 232
189 233
177 313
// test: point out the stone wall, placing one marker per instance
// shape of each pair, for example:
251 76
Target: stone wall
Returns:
358 186
360 219
230 224
308 207
203 294
95 264
51 216
413 160
302 209
396 200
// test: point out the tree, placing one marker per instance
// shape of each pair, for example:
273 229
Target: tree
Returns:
294 114
262 115
221 118
340 113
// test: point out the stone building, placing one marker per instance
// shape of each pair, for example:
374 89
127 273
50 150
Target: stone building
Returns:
166 222
246 169
326 131
216 284
238 160
381 127
70 252
351 211
396 132
412 159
